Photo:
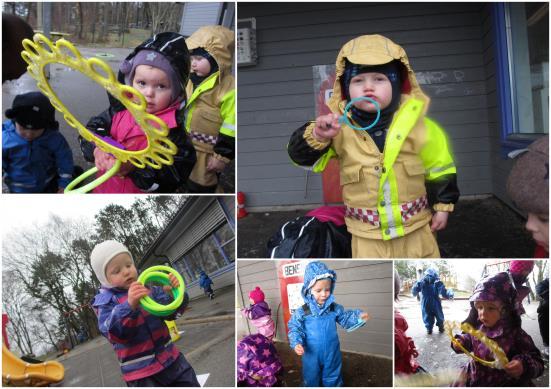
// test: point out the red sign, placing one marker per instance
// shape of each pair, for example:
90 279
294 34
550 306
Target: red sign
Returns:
291 275
324 78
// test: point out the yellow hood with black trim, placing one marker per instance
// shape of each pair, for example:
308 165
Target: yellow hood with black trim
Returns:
219 41
373 50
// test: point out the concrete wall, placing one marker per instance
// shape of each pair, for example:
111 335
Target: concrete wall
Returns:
365 285
448 47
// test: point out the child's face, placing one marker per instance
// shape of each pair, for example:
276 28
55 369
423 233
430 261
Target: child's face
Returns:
154 84
251 300
120 271
321 291
538 225
489 312
373 85
28 135
200 65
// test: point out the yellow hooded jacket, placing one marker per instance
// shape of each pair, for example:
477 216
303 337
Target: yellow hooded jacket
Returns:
384 192
211 106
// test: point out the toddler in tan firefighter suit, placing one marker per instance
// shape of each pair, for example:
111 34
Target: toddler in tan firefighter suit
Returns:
393 173
210 108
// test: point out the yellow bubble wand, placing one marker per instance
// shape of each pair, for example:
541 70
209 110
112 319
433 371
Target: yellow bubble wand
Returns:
500 358
159 151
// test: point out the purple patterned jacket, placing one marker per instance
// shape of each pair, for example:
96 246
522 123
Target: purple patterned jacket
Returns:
257 361
141 341
516 343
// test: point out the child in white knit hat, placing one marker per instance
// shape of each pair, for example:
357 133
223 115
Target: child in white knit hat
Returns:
141 340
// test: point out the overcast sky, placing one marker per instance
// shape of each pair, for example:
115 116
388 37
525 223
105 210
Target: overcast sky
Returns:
20 211
464 267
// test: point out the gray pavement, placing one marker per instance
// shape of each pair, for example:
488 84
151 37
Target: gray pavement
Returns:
435 352
479 228
207 339
84 98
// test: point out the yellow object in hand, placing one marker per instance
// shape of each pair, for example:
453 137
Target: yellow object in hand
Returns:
159 151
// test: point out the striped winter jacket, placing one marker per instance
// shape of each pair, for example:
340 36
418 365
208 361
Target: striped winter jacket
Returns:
142 341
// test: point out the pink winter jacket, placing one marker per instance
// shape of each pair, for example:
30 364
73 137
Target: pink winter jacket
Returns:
126 131
260 316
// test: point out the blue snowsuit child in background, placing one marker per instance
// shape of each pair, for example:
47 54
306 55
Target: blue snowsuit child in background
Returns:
313 330
205 283
430 288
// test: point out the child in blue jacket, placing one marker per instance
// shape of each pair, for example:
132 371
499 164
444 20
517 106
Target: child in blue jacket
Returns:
36 158
430 287
313 329
206 284
141 341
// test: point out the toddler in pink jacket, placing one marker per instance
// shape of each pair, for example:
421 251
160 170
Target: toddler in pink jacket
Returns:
259 313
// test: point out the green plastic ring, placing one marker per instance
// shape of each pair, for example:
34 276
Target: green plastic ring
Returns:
98 181
160 274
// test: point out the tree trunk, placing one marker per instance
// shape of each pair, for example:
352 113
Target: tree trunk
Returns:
81 17
105 22
94 20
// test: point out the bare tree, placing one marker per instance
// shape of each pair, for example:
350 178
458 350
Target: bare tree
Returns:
45 329
81 20
104 20
160 15
16 303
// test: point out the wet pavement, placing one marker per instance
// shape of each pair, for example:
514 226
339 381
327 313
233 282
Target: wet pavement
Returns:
434 350
480 228
83 98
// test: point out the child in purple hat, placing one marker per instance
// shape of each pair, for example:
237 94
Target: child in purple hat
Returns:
494 312
158 69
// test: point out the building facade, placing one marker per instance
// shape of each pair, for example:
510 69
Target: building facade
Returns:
201 236
484 65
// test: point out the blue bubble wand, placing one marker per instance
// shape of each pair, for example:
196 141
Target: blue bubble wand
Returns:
345 120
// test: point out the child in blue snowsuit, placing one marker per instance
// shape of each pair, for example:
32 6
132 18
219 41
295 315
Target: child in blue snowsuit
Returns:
146 353
430 288
205 283
313 330
36 158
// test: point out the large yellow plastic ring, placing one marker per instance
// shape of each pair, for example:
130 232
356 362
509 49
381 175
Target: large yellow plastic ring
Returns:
500 358
41 51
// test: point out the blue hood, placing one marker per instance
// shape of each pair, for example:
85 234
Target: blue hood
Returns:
317 271
431 275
